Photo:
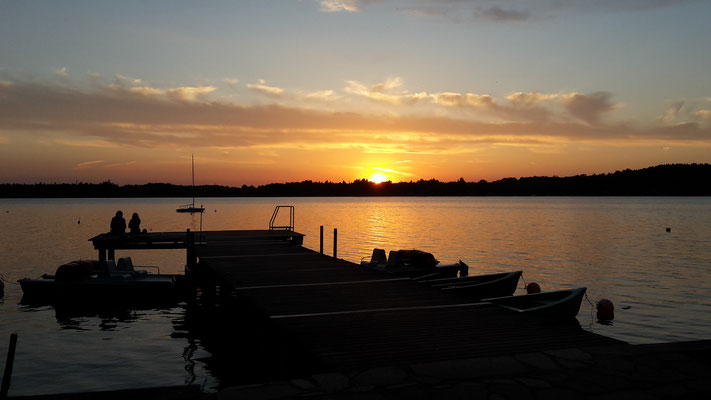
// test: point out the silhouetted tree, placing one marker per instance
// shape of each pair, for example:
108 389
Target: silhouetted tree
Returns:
661 180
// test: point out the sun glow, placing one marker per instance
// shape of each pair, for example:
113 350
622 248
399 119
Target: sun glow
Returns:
377 177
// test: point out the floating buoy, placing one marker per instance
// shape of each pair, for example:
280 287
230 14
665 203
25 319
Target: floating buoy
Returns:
2 289
605 310
532 288
668 229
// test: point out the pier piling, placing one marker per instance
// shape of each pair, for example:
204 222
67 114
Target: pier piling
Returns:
335 243
8 367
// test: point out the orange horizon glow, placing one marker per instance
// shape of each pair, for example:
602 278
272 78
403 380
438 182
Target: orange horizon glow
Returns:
377 178
328 105
118 135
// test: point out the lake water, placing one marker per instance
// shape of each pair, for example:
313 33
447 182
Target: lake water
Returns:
619 248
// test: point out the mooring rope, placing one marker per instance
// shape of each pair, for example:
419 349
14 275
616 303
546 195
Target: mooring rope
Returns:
592 308
524 281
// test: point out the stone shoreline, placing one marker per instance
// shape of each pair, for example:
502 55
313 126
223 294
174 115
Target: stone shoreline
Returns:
679 370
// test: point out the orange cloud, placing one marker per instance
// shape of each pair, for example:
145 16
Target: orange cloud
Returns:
261 87
463 100
527 98
687 111
392 171
118 117
89 163
590 107
381 91
322 95
704 115
339 5
185 93
521 106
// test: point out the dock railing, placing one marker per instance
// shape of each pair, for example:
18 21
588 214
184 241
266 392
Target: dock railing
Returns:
289 227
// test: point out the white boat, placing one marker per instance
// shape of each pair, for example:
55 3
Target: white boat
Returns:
91 281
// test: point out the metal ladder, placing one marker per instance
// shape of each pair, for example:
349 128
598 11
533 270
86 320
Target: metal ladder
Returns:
289 227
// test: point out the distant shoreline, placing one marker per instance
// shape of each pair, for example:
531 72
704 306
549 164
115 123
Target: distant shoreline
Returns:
661 180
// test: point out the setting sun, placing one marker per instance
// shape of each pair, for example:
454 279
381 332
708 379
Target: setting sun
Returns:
378 177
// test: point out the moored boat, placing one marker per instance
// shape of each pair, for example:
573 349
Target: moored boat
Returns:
559 304
89 281
479 286
191 208
413 264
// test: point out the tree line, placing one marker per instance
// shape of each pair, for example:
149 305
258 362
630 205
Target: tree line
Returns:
660 180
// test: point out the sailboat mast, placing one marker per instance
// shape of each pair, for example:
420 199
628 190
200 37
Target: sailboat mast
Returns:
192 161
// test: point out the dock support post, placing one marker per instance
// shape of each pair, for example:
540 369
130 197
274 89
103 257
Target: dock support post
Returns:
102 255
321 241
335 243
112 254
8 367
190 259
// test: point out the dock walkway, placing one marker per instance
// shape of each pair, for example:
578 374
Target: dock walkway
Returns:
348 318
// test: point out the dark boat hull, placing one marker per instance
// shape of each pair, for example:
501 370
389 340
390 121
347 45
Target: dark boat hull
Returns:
114 290
481 286
190 210
415 264
558 305
440 271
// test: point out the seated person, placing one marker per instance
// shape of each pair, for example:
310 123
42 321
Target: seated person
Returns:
134 225
118 224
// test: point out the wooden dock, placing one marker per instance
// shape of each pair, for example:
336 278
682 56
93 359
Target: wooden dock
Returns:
282 310
332 315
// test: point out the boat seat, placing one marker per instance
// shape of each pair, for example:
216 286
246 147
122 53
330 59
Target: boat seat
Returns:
378 256
393 259
125 264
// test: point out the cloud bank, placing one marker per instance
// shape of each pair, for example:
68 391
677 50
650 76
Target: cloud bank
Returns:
503 11
185 117
588 108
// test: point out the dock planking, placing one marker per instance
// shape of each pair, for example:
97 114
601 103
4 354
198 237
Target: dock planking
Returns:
348 318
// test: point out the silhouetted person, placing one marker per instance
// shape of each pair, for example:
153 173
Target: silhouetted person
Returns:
118 224
134 225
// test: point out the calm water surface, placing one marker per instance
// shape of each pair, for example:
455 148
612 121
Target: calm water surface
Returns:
659 281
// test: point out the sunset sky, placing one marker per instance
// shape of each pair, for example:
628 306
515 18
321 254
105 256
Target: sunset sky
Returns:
288 90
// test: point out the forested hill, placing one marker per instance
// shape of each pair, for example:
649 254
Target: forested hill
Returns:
661 180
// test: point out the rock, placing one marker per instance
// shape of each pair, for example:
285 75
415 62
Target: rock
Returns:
304 384
263 392
538 360
384 376
331 382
